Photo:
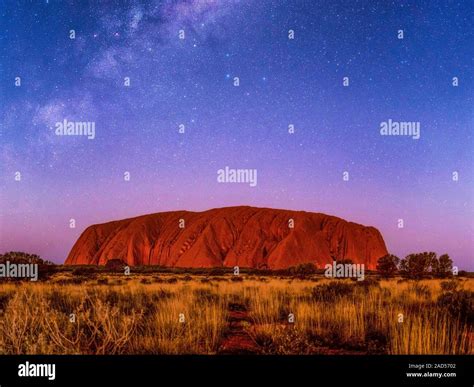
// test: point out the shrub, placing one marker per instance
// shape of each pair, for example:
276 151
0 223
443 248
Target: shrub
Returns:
72 281
60 302
4 298
387 265
376 341
205 295
115 265
459 304
332 291
84 271
217 271
284 341
368 283
421 291
449 286
303 269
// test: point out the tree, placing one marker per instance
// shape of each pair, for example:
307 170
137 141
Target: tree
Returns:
435 266
417 265
45 268
21 257
387 265
445 266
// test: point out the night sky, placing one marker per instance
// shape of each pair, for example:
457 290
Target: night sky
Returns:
283 82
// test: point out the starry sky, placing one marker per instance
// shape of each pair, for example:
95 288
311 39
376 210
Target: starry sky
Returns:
283 82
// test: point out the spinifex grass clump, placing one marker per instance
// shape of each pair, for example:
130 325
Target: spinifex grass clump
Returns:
332 291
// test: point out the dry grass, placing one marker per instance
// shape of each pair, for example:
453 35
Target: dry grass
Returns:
184 315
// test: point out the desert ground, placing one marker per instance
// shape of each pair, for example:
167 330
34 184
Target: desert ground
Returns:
167 313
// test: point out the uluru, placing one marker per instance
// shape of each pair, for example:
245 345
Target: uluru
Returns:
248 237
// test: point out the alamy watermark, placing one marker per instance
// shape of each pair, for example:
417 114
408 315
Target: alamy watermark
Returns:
345 270
75 128
19 270
37 370
400 128
230 175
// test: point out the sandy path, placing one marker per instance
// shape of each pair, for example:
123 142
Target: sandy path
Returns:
236 340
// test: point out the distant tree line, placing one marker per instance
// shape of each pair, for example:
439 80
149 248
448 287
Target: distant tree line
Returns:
21 257
45 268
417 265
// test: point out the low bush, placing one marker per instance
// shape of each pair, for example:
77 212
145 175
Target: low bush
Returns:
332 291
459 304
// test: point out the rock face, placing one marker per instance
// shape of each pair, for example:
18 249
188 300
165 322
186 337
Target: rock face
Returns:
233 236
